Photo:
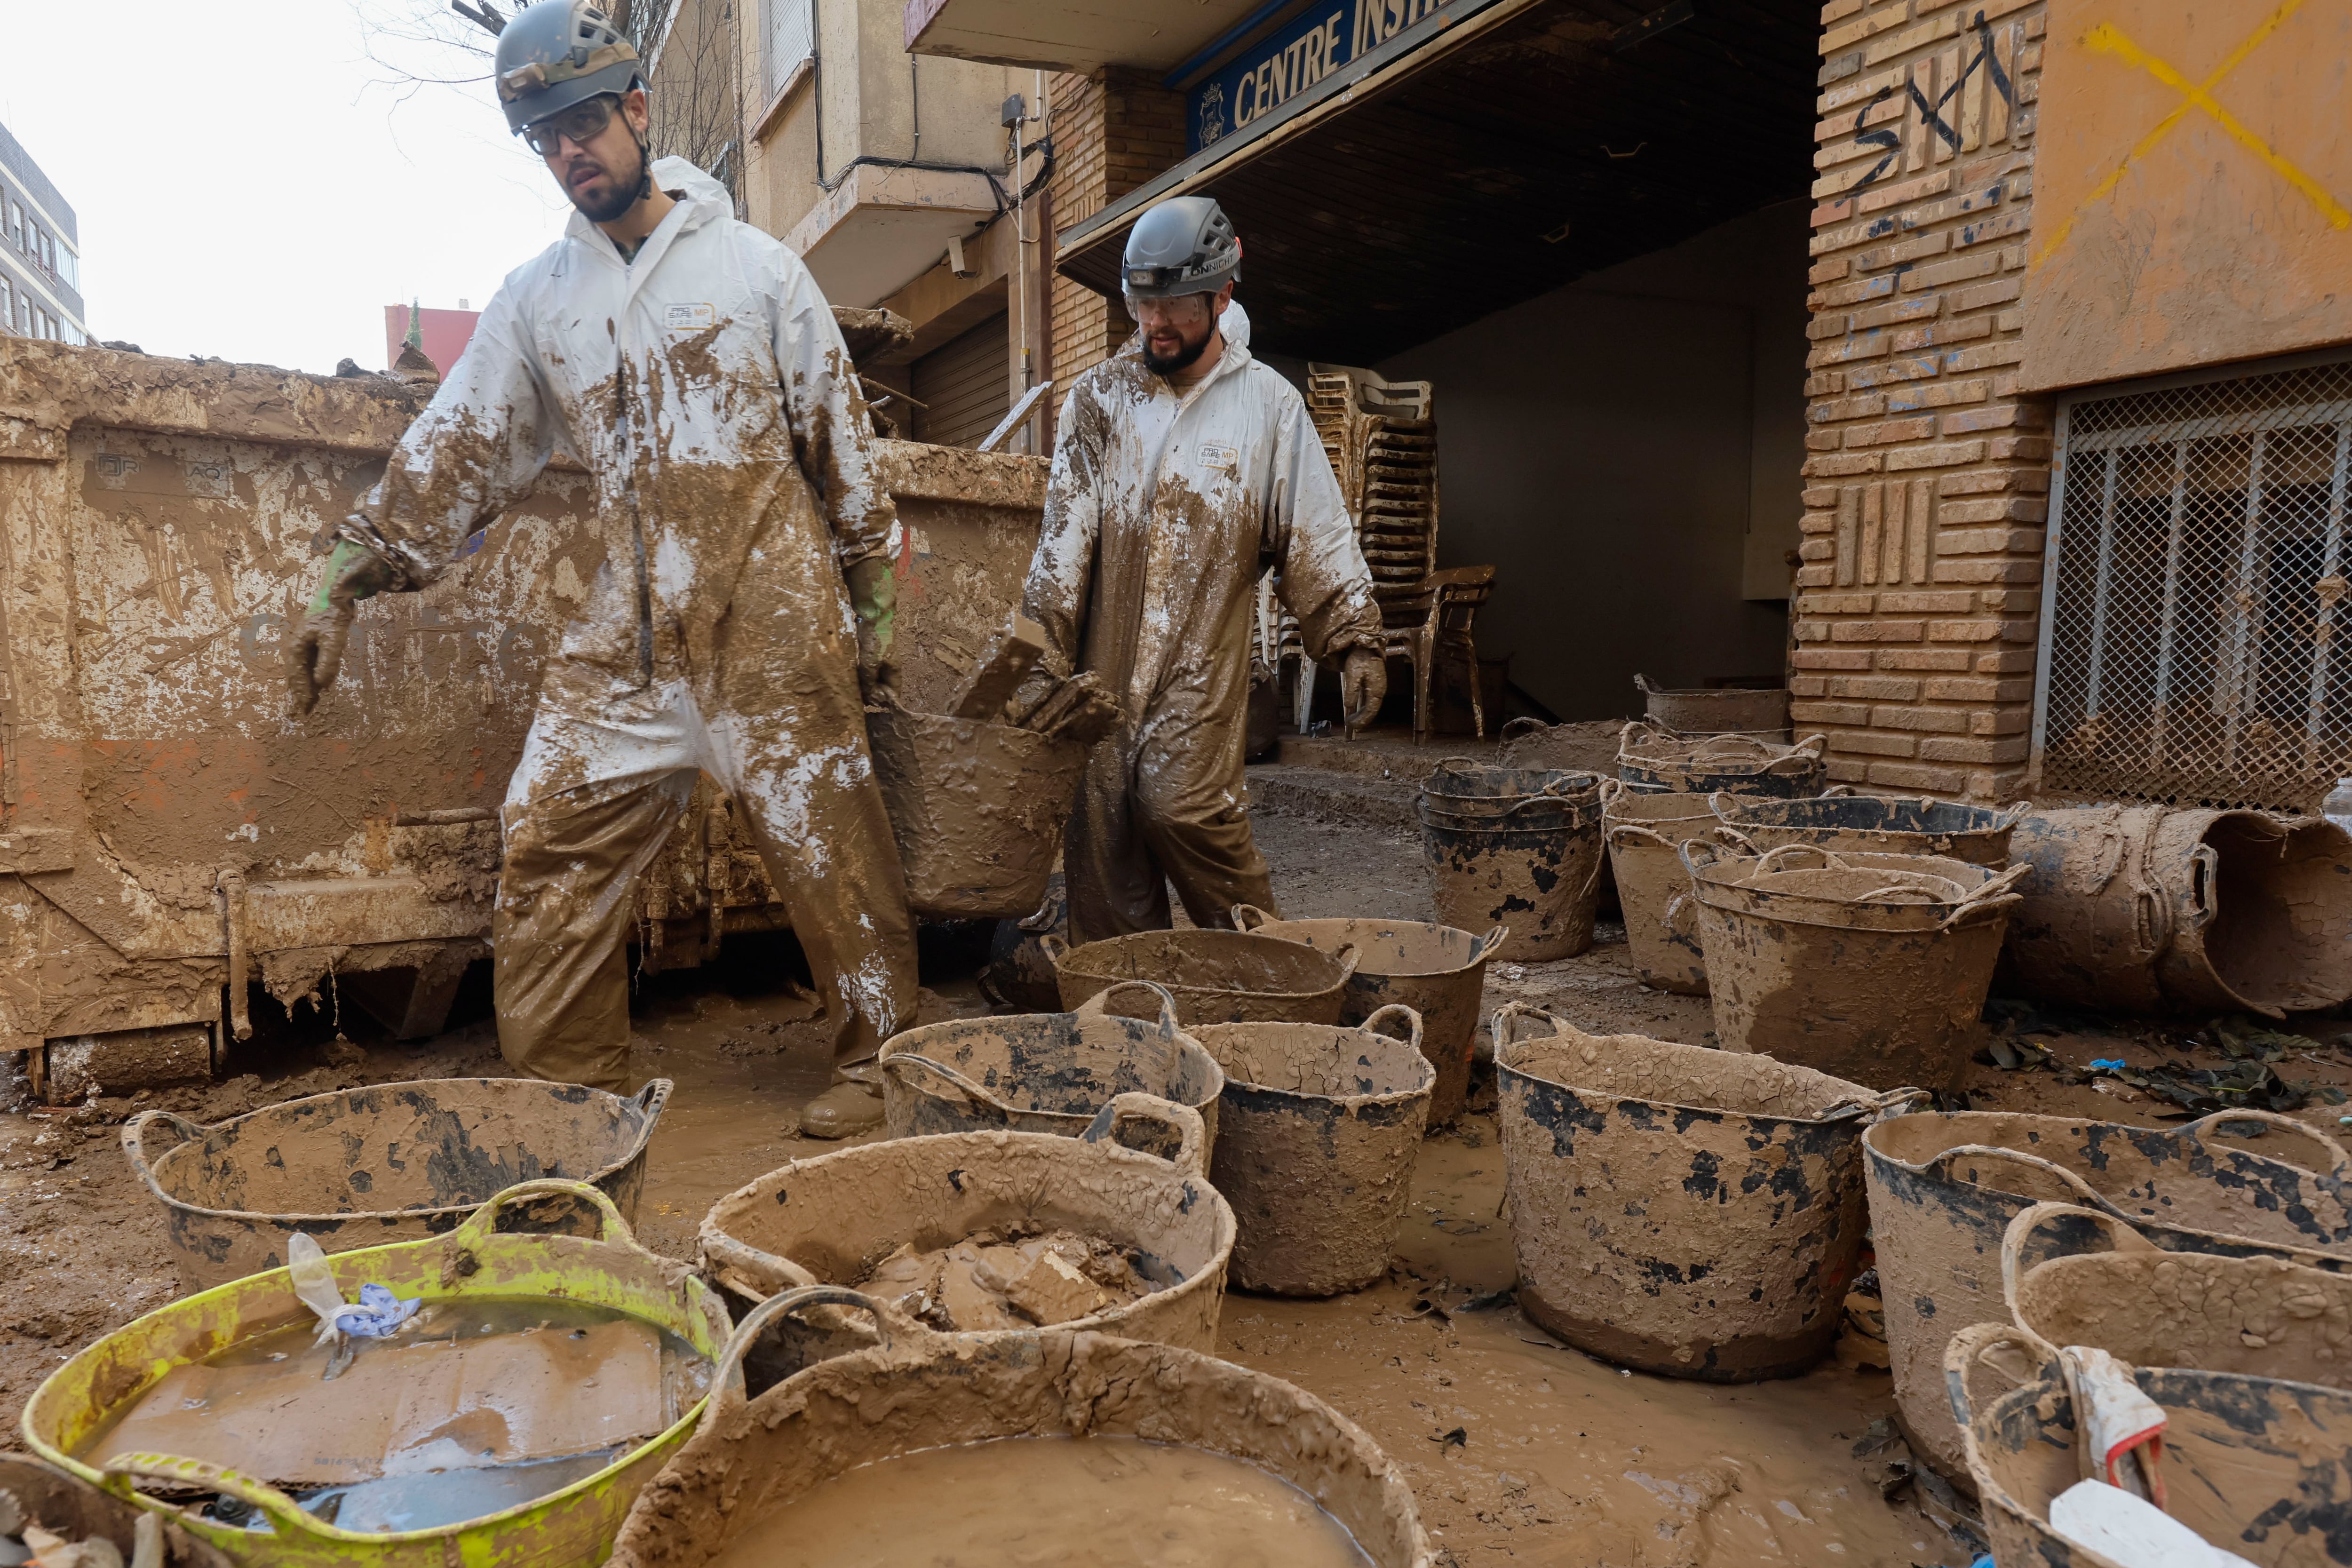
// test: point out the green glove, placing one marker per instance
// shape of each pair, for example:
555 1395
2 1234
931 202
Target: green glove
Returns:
314 654
873 595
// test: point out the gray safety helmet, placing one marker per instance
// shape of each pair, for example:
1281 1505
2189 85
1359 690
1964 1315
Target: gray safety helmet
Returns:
1186 244
558 53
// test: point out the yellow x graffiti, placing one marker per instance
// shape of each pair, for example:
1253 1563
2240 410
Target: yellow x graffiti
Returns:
2107 38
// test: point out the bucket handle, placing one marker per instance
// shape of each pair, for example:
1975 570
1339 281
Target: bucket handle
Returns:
1123 1114
483 1223
1681 918
1519 727
1731 838
1249 917
652 1098
286 1516
1939 1168
1098 1004
2211 1127
1634 832
1830 860
1882 1107
1372 1023
134 1142
728 1396
1724 804
2204 884
1348 956
1696 854
1485 946
904 1064
1056 949
1966 1354
1994 898
1510 1013
2121 1238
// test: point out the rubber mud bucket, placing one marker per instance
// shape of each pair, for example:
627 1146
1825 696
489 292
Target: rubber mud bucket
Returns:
2146 910
977 809
1214 976
1467 792
1437 971
396 1161
739 1487
1043 1072
1677 1209
477 1261
1660 761
1732 711
1944 1188
2258 1466
70 1507
1646 834
1869 825
1315 1138
1535 869
830 1220
1872 967
2075 1276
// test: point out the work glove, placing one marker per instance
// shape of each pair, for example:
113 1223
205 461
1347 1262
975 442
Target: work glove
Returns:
314 655
873 595
1364 686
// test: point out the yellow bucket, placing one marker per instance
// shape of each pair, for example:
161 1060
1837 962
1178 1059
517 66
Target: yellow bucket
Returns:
572 1528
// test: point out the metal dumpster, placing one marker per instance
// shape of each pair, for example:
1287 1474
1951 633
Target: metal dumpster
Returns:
169 836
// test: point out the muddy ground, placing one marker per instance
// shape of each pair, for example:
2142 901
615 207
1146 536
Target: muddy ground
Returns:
1520 1448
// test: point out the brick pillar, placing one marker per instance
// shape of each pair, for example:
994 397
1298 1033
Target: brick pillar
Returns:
1927 478
1111 134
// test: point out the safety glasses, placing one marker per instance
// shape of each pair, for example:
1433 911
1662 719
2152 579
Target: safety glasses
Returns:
582 122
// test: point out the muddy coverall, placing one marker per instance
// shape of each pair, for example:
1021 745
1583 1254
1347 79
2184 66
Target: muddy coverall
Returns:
707 388
1162 512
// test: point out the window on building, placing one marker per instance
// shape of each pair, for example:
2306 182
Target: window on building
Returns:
16 226
69 267
786 38
50 251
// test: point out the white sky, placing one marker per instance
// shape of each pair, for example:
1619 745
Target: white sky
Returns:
248 185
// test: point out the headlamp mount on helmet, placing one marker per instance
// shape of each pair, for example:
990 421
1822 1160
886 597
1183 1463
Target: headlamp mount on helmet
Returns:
1186 244
558 53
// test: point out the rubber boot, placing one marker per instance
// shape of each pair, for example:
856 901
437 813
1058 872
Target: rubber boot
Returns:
853 1105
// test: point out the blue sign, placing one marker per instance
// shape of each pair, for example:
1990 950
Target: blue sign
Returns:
1294 58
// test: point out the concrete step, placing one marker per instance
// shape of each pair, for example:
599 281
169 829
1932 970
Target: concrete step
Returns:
1338 796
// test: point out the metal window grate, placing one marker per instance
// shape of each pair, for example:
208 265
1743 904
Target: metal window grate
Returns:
785 40
2200 554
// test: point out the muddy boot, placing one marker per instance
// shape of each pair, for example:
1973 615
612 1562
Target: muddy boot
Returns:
853 1105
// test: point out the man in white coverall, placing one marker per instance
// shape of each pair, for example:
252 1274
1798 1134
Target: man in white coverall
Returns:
689 360
1183 468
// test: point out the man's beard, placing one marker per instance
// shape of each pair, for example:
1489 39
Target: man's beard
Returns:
1181 358
624 193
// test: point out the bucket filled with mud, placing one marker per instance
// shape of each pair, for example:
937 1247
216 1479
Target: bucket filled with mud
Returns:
39 1500
1529 861
1945 1188
483 1396
1048 1447
1044 1072
2145 909
1315 1138
397 1162
1677 1209
1437 971
1659 760
2253 1465
1118 1230
2077 1276
1872 967
1214 976
977 808
1646 834
1762 713
1869 825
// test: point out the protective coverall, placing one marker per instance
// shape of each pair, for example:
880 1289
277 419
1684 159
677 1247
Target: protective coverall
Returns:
707 388
1162 512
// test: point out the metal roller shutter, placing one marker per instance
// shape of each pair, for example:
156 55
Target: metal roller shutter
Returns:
964 386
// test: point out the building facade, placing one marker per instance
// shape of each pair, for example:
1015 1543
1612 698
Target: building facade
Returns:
41 252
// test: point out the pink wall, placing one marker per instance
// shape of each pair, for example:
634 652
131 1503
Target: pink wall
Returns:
446 332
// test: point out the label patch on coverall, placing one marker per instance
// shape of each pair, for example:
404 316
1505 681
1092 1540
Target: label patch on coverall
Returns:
691 318
1217 455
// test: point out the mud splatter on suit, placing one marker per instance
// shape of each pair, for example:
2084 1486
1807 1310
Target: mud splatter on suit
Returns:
707 388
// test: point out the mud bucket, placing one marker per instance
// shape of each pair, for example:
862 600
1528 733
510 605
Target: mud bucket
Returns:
1944 1188
1465 793
829 1220
397 1162
1437 971
477 1260
1043 1072
2075 1276
1657 760
2147 909
1873 967
1646 834
2256 1466
740 1480
1315 1138
1215 976
1682 1210
1734 710
1533 866
1870 824
977 809
70 1507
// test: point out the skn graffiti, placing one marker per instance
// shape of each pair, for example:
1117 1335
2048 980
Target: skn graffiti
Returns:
1932 114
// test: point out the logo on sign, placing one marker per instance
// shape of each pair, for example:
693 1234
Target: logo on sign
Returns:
1294 59
1212 112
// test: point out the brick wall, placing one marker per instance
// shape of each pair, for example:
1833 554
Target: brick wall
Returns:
1927 475
1110 134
